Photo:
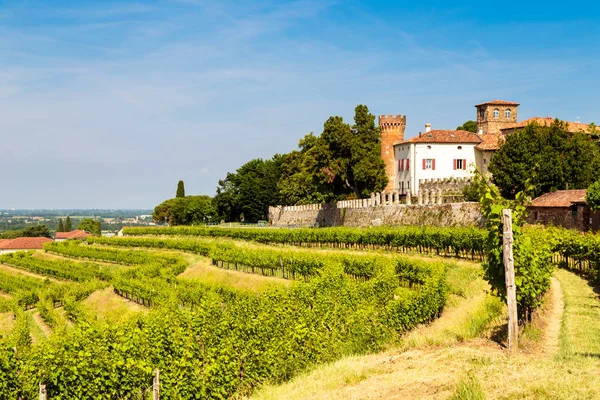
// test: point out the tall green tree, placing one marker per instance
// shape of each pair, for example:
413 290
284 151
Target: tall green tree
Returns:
68 227
551 157
470 126
90 225
180 189
61 226
250 190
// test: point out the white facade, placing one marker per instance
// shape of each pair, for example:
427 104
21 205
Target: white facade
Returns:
417 161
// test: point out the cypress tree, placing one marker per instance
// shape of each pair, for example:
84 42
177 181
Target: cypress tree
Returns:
68 226
180 190
61 227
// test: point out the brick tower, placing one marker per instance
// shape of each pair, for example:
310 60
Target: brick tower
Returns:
495 115
392 131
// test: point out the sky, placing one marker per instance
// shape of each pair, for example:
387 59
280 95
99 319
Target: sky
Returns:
108 104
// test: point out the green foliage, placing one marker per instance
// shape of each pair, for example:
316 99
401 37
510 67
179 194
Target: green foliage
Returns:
343 162
559 159
249 191
180 189
190 210
37 231
532 253
61 226
92 226
471 192
68 225
467 242
592 196
470 126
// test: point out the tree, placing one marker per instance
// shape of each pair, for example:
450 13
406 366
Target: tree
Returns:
553 157
68 227
37 231
592 196
92 226
61 227
250 190
180 190
189 210
470 126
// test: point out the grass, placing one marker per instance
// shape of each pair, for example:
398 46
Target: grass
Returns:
453 358
203 271
7 321
580 334
106 305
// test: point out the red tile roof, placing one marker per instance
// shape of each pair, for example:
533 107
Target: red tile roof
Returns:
24 243
490 141
571 126
76 234
444 136
499 103
560 198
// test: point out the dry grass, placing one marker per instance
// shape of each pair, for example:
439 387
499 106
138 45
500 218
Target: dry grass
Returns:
203 271
7 322
473 368
105 304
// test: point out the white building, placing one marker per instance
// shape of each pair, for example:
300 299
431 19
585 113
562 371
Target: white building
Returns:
439 154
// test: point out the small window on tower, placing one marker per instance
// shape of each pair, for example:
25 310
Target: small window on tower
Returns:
507 113
428 147
496 113
459 147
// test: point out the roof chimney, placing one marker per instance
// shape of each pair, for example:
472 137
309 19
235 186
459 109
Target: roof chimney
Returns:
427 127
419 134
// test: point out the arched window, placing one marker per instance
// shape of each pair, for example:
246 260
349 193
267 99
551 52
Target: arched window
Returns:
496 113
507 113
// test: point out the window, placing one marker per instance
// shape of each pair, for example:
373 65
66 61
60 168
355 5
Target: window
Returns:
429 163
459 147
428 147
507 113
481 114
496 113
535 215
460 164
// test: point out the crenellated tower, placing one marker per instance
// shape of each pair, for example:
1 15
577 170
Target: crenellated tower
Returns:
392 131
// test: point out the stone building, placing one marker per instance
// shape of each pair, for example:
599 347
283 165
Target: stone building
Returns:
566 208
494 115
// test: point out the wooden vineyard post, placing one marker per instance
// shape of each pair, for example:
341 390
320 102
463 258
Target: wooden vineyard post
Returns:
42 391
509 276
156 385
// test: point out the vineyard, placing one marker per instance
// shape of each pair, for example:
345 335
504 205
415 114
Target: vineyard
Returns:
352 291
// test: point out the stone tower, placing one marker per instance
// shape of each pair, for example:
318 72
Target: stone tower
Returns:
495 115
392 131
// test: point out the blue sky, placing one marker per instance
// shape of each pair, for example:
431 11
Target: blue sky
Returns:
108 104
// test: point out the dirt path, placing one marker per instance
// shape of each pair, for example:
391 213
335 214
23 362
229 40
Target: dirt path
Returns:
550 343
39 321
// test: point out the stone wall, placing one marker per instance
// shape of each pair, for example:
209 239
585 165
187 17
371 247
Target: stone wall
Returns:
575 217
449 186
393 214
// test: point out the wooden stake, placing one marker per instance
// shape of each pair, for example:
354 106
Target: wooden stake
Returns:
156 385
42 391
509 276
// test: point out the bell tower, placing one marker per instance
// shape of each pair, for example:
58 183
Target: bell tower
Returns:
495 115
392 131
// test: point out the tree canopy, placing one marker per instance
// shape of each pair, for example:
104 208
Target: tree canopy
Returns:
68 227
90 225
61 226
592 196
180 189
189 210
469 125
551 157
344 162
